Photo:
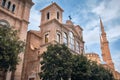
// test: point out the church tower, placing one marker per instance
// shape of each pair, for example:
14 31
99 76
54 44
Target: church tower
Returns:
52 11
105 47
15 14
51 19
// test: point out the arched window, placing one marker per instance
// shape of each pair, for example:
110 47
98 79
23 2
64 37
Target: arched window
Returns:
71 36
57 15
13 7
48 15
3 2
65 39
77 47
58 37
4 23
46 38
9 4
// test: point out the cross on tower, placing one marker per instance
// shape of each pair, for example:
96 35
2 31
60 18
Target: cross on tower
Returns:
69 17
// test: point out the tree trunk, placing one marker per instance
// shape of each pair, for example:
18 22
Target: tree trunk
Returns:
2 74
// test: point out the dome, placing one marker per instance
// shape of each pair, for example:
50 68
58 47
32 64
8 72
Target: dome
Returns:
69 22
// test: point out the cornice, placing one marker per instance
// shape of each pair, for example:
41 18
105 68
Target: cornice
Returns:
5 11
37 33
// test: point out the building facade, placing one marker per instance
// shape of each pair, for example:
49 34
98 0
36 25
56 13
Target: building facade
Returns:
93 57
52 31
15 14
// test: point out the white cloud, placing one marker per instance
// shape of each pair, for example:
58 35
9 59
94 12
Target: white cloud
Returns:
116 60
98 10
91 36
92 24
113 33
108 10
34 19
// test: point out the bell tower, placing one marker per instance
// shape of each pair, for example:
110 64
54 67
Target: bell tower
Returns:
53 11
15 14
105 47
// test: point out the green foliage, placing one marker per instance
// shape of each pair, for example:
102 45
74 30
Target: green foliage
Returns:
99 72
58 63
80 68
10 47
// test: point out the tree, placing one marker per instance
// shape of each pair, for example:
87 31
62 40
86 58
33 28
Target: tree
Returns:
80 68
10 47
84 69
56 63
98 72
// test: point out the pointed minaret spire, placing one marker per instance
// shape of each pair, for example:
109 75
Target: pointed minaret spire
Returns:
102 27
105 47
103 33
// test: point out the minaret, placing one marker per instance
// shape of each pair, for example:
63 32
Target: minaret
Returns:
105 47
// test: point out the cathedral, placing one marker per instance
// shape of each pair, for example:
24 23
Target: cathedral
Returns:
52 31
15 13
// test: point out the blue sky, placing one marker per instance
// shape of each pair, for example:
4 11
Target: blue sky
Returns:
86 14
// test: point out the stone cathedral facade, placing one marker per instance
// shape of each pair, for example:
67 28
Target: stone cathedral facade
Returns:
52 31
15 13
